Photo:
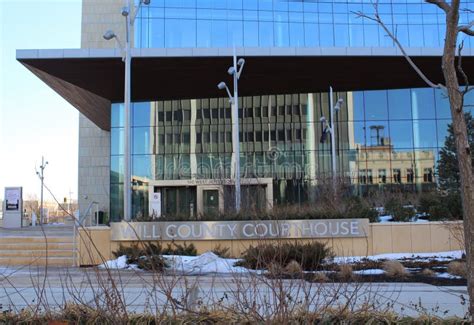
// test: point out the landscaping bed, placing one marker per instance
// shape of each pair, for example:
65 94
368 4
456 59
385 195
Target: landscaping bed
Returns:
312 262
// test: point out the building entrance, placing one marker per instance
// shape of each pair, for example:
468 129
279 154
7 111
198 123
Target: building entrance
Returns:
192 199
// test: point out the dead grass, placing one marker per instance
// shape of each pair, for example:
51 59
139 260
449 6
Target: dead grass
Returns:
428 273
394 268
346 272
275 269
320 277
293 268
457 268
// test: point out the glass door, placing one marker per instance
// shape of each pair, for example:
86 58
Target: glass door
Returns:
210 202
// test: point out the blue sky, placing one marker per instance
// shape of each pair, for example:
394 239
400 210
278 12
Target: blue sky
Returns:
35 120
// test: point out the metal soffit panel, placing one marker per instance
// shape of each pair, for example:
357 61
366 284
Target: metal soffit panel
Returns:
101 79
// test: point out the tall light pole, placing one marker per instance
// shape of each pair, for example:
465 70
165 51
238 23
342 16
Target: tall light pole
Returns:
127 58
41 177
235 70
332 129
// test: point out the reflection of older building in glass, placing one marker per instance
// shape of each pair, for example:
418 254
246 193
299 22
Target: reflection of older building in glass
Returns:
381 165
389 130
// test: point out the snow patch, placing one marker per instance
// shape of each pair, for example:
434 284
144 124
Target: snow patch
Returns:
416 257
446 275
190 265
383 219
203 264
119 263
369 272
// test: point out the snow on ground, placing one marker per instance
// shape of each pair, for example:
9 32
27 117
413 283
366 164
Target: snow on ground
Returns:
209 262
419 218
191 265
446 275
203 264
369 272
383 219
417 257
119 263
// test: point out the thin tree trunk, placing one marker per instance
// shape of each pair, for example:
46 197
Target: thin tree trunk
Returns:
461 139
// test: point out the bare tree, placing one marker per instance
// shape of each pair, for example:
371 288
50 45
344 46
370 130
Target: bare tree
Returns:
456 85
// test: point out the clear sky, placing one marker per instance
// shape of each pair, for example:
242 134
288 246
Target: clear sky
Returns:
35 120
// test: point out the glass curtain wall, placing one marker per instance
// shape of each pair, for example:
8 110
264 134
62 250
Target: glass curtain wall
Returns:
388 138
285 23
384 139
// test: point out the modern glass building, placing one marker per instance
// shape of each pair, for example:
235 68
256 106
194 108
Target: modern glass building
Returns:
388 132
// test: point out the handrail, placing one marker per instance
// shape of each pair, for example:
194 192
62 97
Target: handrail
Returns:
83 217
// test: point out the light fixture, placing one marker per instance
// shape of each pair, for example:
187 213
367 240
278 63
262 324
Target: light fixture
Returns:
222 85
108 35
339 103
125 11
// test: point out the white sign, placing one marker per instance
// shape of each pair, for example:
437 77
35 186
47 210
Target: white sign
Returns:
155 205
226 230
13 198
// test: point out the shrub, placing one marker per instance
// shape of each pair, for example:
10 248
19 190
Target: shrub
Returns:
426 201
428 273
146 255
457 268
308 255
320 277
441 207
358 208
345 272
293 268
178 249
220 251
454 205
394 269
275 269
399 212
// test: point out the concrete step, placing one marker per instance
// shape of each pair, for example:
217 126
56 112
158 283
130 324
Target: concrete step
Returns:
30 246
37 253
36 246
39 240
38 261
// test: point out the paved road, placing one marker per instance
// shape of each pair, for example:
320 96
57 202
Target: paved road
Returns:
142 291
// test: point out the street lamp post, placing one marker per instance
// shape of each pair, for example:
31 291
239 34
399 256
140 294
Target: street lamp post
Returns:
127 58
235 70
41 177
332 129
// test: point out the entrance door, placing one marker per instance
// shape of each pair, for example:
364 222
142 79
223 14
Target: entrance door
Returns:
177 201
210 202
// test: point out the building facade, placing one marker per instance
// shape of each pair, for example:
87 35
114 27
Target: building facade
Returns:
388 132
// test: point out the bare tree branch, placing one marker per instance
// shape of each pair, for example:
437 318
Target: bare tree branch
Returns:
441 4
466 29
378 20
461 70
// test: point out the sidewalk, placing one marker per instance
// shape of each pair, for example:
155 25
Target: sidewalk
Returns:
141 291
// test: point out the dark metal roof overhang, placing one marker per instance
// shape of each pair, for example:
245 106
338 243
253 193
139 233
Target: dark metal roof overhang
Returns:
92 79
